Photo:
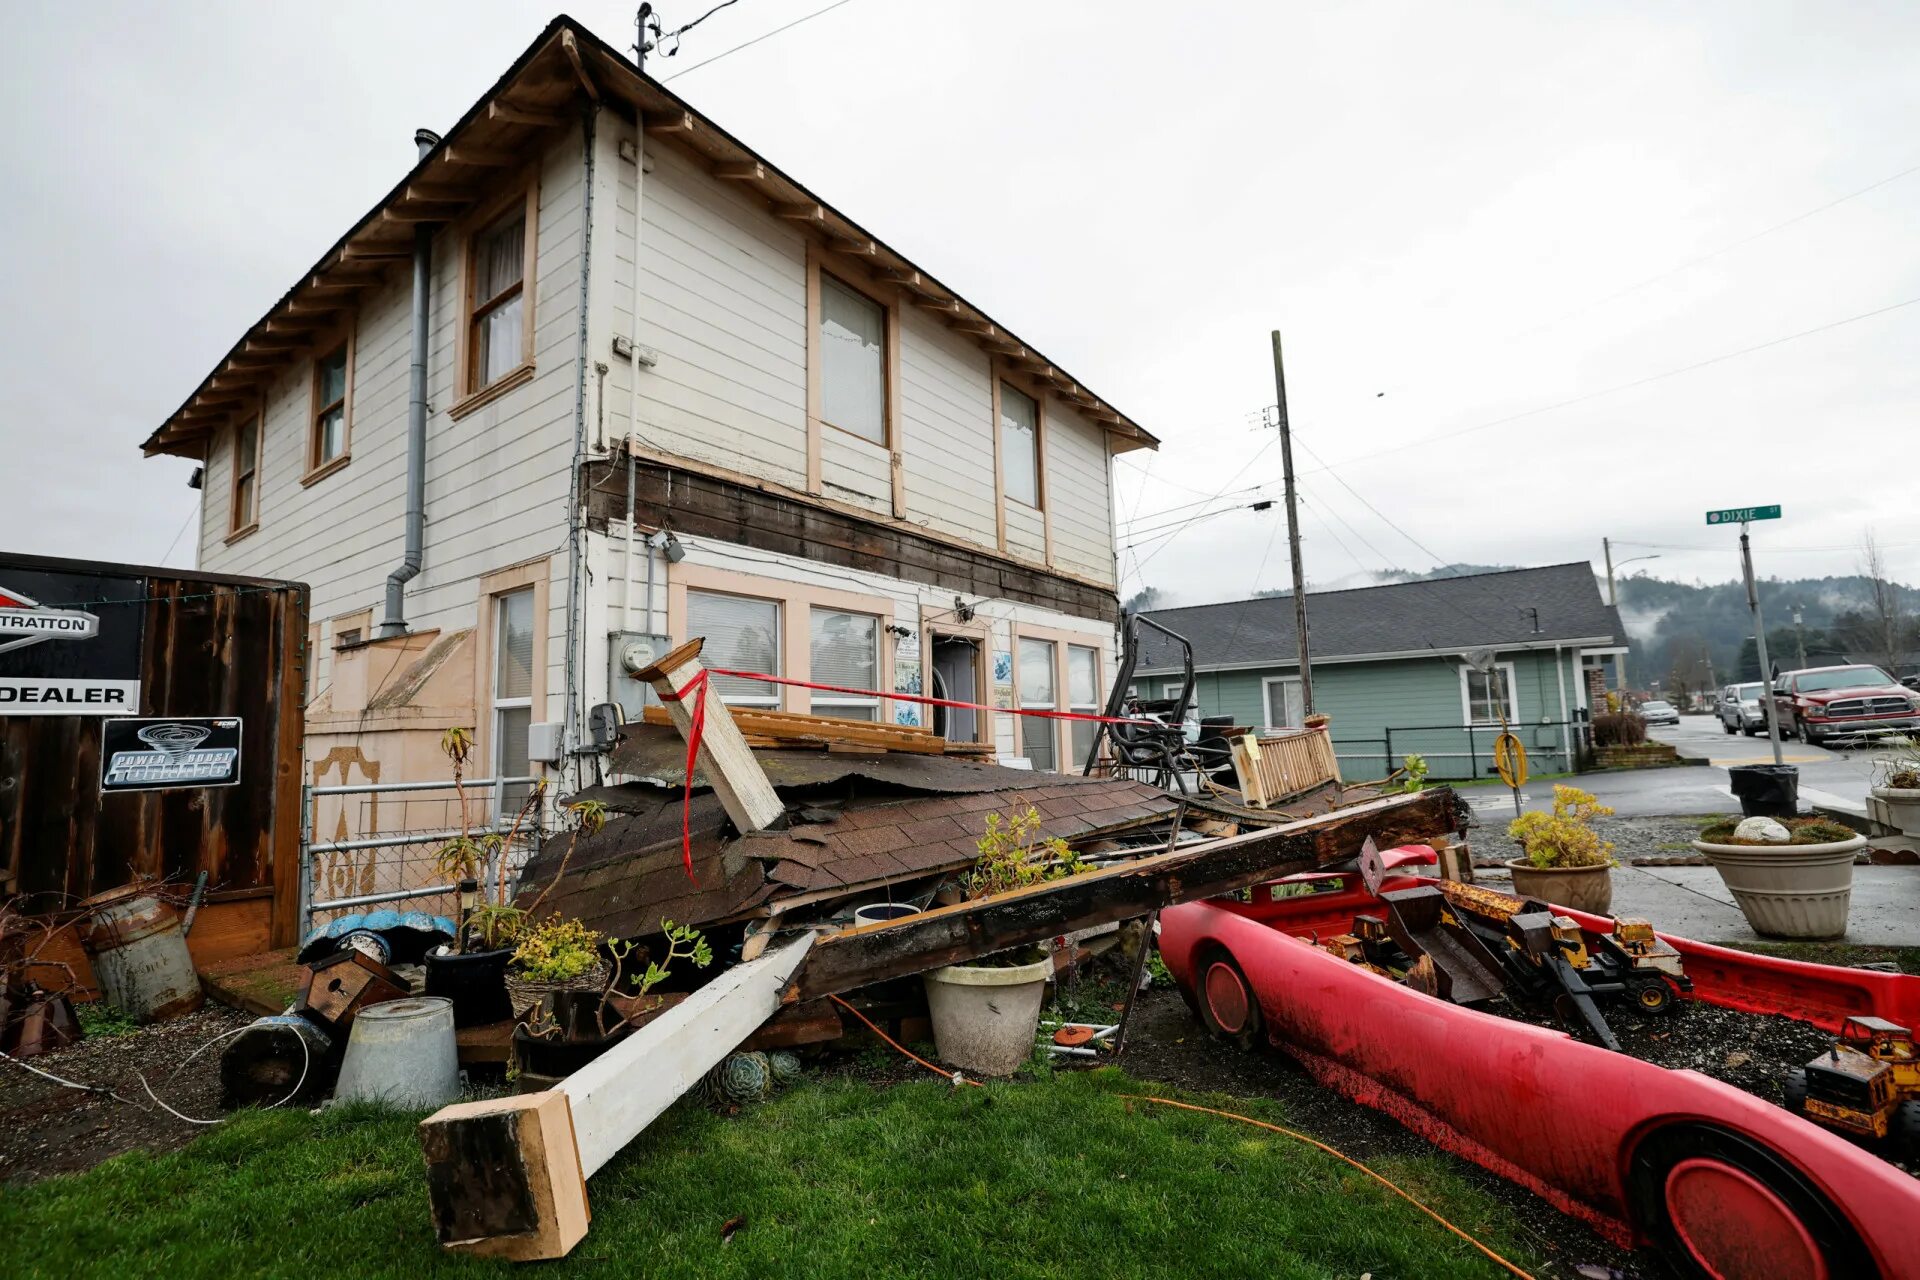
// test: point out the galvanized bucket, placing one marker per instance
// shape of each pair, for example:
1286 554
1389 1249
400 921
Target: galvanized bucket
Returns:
401 1053
139 954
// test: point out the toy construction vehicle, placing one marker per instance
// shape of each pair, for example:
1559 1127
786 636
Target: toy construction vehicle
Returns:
1868 1084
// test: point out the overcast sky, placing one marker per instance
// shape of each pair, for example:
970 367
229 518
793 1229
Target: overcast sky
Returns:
1458 214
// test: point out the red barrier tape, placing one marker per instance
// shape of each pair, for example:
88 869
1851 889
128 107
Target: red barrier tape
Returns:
935 702
696 730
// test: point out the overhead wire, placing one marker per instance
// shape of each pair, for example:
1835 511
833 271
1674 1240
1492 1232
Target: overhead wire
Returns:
748 44
1141 564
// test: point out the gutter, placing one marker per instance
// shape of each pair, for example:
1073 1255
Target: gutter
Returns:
395 621
1394 656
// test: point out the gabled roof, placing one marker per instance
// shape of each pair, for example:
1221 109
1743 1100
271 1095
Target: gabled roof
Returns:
1437 615
510 124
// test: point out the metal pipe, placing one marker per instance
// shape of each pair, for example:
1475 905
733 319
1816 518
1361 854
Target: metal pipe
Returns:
397 842
387 788
626 599
397 895
395 622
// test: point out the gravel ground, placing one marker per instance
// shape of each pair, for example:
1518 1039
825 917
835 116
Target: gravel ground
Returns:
47 1129
1639 842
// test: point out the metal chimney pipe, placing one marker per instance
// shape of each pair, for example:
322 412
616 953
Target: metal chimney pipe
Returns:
395 622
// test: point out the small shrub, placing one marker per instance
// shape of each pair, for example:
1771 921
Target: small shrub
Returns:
1802 830
1619 729
558 949
1565 837
1013 856
102 1021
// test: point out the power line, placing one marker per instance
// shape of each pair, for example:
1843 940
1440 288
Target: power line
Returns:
1167 511
191 515
687 71
1140 566
1624 386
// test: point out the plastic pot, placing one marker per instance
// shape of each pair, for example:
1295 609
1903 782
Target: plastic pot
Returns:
984 1018
1900 806
882 912
476 983
1789 890
1587 889
1766 790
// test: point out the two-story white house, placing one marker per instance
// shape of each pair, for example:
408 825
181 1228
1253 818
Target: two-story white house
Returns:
594 377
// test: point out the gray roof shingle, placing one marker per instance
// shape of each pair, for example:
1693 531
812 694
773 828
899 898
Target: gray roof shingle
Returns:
1444 615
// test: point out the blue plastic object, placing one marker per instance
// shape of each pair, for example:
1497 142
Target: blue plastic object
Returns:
408 935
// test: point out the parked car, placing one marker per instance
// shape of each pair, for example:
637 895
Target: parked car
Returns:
1912 682
1654 711
1741 708
1819 703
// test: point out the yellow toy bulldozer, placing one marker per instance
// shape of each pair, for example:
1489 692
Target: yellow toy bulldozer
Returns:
1868 1084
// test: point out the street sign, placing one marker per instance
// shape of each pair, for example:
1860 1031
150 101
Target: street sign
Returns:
1740 515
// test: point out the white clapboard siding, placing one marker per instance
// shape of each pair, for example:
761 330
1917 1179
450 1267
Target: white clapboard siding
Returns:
856 470
1026 531
946 400
1077 492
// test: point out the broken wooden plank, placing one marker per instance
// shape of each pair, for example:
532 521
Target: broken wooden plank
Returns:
727 760
507 1177
783 728
949 935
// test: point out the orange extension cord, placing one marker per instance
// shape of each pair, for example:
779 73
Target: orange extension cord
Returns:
955 1077
1188 1106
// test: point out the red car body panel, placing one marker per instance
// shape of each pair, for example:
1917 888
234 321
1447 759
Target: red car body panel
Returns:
1536 1106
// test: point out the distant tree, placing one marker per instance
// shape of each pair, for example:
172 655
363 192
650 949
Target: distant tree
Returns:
1144 600
1884 632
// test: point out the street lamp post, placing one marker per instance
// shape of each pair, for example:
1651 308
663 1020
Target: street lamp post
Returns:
1606 546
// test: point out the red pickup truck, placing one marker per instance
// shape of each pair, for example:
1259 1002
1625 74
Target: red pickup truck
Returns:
1819 703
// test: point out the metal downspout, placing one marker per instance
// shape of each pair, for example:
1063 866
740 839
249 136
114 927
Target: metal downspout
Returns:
395 622
576 523
1560 683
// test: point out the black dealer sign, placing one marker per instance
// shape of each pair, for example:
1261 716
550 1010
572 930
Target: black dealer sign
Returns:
69 643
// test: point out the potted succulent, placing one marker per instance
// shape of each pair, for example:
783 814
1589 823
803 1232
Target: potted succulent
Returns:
1566 863
985 1012
1896 789
1792 879
570 1028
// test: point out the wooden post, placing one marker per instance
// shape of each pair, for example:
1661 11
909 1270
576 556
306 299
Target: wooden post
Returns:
737 778
507 1177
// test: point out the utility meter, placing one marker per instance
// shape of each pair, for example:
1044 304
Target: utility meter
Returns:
629 653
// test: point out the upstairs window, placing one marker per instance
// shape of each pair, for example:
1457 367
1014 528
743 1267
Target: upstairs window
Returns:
246 470
1020 445
329 434
497 337
853 368
846 651
1037 692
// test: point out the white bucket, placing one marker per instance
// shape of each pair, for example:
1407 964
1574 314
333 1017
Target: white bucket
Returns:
401 1053
984 1018
883 913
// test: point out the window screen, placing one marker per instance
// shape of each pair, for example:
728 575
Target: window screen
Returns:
499 269
853 377
742 633
330 420
512 697
1083 696
513 650
1019 453
846 652
1036 677
1489 693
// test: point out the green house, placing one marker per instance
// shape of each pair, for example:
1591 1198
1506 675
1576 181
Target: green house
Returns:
1423 668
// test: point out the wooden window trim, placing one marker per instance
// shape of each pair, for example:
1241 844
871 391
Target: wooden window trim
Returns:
849 276
938 623
239 523
532 573
1001 374
316 469
526 190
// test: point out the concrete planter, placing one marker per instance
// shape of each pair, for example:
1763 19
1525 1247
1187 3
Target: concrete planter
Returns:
1582 888
1789 890
1898 807
984 1018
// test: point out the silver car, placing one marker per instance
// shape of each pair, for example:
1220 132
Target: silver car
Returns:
1654 711
1741 709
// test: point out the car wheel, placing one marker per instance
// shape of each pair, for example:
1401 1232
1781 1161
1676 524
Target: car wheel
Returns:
1228 1005
1793 1091
1714 1201
1729 729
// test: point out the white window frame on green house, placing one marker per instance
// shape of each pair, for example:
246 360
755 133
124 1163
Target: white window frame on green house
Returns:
1466 695
1292 707
738 691
842 668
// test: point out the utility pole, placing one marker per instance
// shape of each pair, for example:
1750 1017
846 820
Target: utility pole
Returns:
1606 545
1760 643
1293 530
1800 634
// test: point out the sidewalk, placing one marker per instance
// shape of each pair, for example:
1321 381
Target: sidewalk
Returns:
1692 902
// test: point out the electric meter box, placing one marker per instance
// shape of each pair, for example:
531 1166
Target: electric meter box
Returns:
627 653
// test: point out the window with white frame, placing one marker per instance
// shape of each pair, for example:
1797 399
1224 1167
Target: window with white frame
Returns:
1083 697
1037 688
1284 705
742 633
853 363
512 696
1486 695
245 511
1019 445
845 650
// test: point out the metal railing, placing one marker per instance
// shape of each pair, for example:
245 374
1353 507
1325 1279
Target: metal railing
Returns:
1553 746
495 875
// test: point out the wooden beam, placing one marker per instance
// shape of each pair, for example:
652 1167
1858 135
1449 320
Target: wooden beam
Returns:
310 307
571 48
669 122
253 346
374 252
725 757
507 113
854 248
326 284
799 212
437 193
481 157
950 935
408 214
905 279
507 1177
740 170
940 306
974 327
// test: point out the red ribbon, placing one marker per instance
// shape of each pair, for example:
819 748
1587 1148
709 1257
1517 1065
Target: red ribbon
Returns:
696 728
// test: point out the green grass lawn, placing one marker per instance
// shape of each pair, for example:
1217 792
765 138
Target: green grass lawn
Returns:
1060 1177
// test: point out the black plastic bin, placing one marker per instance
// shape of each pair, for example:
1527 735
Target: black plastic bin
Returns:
1766 790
